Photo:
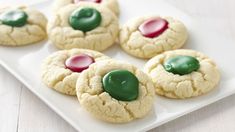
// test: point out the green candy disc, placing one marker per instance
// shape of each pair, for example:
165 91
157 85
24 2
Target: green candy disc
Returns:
182 65
14 18
121 85
85 19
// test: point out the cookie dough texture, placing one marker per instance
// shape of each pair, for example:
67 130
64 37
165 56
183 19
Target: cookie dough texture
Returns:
100 104
65 37
134 43
34 31
55 75
175 86
110 4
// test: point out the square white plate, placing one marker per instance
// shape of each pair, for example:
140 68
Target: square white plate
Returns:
24 63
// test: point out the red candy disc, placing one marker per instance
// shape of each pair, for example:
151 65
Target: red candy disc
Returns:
79 63
95 1
153 27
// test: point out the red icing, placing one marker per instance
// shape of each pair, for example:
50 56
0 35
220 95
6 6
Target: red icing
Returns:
95 1
153 27
79 63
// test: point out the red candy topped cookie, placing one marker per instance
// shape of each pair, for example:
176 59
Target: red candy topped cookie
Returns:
61 69
148 36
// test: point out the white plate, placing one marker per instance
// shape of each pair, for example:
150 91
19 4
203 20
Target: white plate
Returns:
24 63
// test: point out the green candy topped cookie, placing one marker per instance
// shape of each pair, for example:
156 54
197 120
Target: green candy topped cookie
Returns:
121 85
114 91
21 26
182 74
86 25
14 18
85 19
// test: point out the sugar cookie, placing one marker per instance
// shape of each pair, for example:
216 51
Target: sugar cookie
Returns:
86 25
21 26
182 73
61 69
115 92
145 37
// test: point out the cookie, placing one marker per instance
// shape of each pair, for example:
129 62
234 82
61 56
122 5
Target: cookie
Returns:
86 25
115 91
145 37
182 73
61 69
111 4
21 26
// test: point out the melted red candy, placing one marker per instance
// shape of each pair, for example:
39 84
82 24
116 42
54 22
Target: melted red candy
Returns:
79 63
153 27
95 1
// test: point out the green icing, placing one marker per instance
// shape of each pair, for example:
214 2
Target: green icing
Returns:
182 65
85 19
121 85
14 18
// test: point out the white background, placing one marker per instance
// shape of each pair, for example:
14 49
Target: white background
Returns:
21 111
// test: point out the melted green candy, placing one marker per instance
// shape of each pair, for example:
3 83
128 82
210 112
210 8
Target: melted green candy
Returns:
14 18
182 65
85 19
121 85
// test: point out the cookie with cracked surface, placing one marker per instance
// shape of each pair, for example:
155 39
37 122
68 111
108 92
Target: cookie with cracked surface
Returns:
61 69
86 25
111 4
115 92
182 73
21 26
145 37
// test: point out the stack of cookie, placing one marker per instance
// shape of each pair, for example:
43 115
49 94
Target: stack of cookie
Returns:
111 90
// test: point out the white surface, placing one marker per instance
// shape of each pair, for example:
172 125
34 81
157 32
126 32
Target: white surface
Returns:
25 115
